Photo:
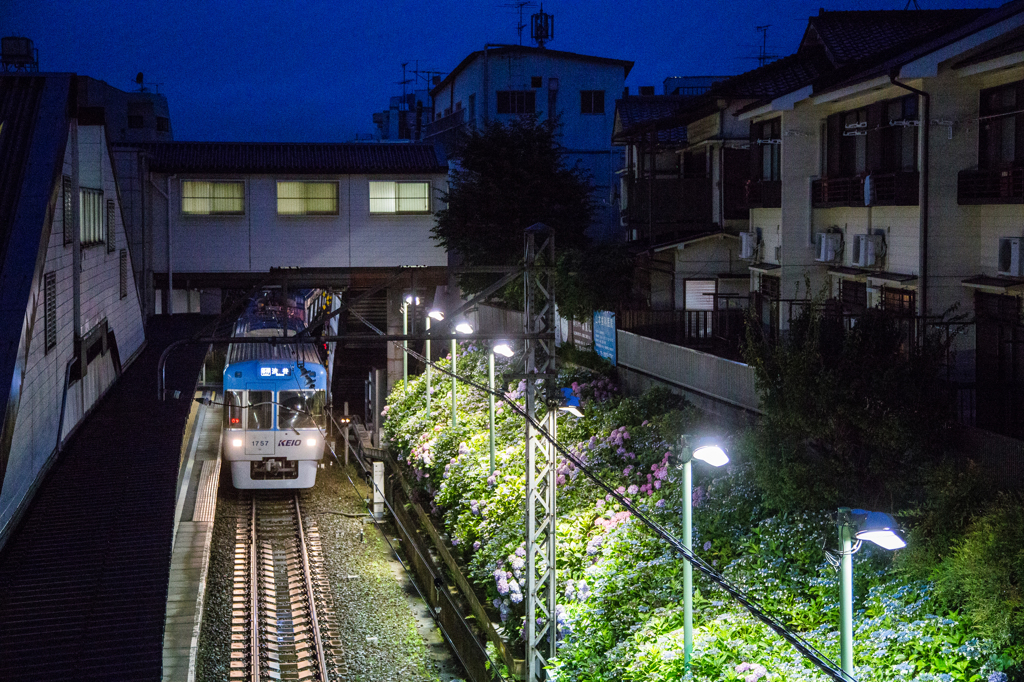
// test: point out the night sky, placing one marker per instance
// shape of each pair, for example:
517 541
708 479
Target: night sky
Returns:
273 70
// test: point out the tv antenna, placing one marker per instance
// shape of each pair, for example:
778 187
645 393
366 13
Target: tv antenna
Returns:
519 6
542 27
912 2
762 56
142 85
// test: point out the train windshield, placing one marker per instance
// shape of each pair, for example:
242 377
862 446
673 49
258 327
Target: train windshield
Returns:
261 410
233 409
301 409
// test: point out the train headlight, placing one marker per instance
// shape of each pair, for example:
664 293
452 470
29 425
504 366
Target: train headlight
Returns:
311 442
237 442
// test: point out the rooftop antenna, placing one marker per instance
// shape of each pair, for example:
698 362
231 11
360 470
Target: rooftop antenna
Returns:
762 56
404 104
912 2
542 27
519 6
142 85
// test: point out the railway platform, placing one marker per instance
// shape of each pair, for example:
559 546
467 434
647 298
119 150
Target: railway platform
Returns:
84 579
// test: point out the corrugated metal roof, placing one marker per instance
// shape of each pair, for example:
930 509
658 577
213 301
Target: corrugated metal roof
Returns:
247 352
286 157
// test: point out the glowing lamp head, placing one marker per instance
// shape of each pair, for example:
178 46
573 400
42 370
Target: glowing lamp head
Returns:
436 314
879 528
712 454
236 442
503 349
570 403
464 328
412 300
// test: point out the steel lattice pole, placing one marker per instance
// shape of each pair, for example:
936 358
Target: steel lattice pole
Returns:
541 628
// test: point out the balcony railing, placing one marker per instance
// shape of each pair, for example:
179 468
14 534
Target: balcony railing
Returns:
990 186
764 193
889 189
717 331
448 125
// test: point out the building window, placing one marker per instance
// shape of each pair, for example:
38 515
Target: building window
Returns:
307 198
136 121
517 101
899 136
111 241
700 294
399 197
591 101
69 219
91 206
50 310
766 144
212 197
123 280
163 124
899 301
536 81
1000 134
771 287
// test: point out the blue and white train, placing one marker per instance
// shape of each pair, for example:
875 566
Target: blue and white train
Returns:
276 395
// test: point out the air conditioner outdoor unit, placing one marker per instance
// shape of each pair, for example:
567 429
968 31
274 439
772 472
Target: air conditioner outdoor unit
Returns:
830 245
748 244
867 250
1011 258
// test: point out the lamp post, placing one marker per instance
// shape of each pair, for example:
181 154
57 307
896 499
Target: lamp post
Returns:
408 301
461 327
707 451
505 350
435 313
855 526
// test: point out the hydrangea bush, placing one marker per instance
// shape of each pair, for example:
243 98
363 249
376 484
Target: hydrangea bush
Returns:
620 603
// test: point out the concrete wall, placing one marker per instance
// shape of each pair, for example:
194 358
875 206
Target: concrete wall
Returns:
36 428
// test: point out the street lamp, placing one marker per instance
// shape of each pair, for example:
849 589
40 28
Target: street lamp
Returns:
435 313
503 349
410 299
876 527
462 326
706 450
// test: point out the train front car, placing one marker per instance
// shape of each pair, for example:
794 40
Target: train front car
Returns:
274 415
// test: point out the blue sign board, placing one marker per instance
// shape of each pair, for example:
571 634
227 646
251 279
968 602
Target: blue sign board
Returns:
604 334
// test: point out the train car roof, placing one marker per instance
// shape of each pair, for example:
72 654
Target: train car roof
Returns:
249 352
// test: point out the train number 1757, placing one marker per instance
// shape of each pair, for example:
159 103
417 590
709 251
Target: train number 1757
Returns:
260 443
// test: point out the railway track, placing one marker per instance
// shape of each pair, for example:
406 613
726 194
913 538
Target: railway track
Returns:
283 625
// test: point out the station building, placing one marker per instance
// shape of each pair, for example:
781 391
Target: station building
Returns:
69 308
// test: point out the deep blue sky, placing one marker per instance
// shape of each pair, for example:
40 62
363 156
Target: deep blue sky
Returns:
274 70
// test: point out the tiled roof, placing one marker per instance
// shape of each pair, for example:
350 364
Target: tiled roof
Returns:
640 114
850 37
277 157
777 78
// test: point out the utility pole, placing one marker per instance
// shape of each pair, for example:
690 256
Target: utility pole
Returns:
541 627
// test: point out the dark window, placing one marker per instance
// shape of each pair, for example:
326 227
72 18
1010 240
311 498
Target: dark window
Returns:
261 410
110 226
899 135
853 154
123 277
163 124
771 286
591 101
50 309
136 122
766 144
1001 129
516 101
854 295
536 81
232 409
69 219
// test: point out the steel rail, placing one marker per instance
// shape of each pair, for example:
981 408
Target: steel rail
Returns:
321 658
254 602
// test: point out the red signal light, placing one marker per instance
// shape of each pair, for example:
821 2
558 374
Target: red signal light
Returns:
235 420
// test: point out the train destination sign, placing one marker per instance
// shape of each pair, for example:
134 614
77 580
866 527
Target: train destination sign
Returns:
275 371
